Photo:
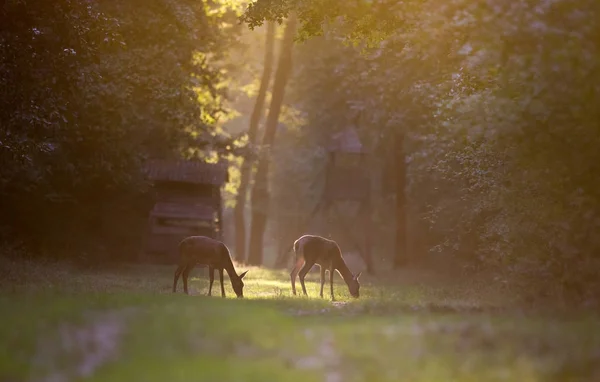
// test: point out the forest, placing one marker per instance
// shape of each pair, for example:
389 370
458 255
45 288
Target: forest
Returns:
480 127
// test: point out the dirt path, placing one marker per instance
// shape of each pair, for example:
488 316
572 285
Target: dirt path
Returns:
77 351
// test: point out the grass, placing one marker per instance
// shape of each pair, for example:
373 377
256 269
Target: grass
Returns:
125 324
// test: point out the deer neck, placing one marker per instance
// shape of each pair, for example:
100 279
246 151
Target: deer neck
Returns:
230 269
344 270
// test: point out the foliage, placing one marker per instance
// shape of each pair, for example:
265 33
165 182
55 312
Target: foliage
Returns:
89 92
357 19
498 101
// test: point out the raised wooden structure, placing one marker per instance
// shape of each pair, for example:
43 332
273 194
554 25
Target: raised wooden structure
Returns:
187 202
347 180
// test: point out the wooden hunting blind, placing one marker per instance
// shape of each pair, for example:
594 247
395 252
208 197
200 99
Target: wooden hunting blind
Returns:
187 202
347 180
346 174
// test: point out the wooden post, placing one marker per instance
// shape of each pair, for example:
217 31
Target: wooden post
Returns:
368 224
401 256
219 214
367 216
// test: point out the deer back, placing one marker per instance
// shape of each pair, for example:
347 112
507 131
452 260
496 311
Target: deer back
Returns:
317 249
204 250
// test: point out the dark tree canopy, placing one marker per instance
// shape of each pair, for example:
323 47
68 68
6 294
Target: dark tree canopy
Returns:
89 91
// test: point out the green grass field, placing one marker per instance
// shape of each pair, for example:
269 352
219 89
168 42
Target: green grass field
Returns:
125 325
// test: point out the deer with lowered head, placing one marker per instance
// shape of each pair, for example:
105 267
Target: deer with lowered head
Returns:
310 250
204 250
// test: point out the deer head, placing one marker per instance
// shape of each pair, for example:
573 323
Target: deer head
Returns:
354 286
238 284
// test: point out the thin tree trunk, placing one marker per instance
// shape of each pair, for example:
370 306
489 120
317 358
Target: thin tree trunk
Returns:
401 256
240 201
260 191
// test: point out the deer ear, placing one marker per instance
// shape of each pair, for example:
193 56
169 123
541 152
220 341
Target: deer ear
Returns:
357 276
243 274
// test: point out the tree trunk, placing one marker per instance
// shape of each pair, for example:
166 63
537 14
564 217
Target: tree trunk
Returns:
240 201
401 256
260 191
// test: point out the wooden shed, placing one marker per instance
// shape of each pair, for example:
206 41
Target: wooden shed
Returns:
187 202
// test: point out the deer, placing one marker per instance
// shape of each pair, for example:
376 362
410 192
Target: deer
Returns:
312 249
213 253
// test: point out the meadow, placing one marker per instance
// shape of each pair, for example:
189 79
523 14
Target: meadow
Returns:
122 323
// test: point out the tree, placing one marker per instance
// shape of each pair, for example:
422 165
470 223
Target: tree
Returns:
246 167
260 191
500 126
90 90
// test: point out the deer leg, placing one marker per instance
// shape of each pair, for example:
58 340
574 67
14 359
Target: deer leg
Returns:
322 281
331 272
221 279
176 277
211 279
303 272
294 273
186 273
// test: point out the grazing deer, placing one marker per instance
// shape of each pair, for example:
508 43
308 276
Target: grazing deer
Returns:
206 251
310 250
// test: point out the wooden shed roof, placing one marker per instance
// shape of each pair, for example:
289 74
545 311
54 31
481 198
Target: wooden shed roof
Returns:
195 172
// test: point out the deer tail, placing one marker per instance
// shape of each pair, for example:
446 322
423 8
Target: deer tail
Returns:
296 247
